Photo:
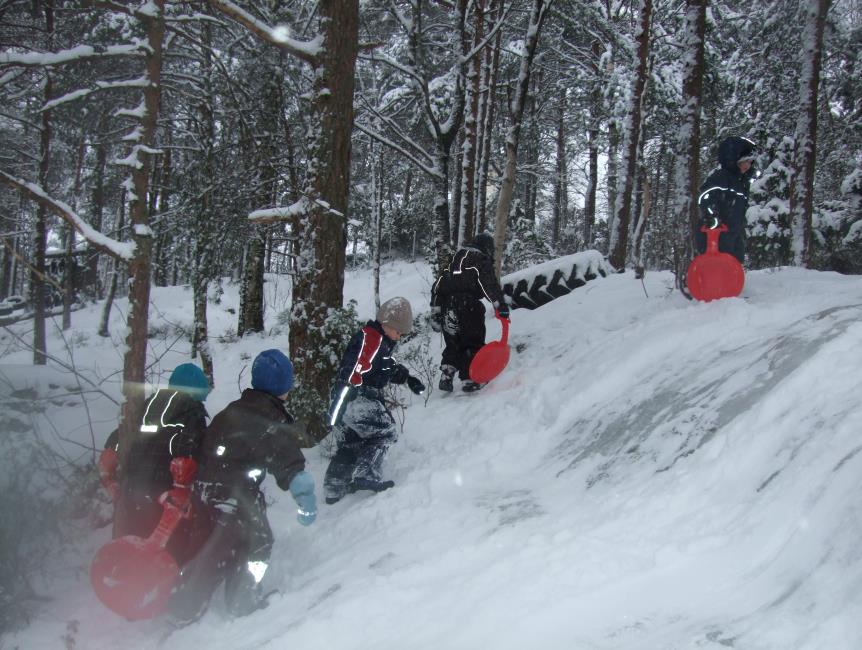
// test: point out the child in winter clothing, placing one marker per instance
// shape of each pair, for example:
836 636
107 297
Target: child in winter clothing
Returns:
724 196
457 309
173 426
250 437
365 428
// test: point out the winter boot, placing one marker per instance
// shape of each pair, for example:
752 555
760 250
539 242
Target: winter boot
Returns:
361 483
470 386
446 378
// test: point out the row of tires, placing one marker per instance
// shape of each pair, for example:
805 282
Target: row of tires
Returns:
539 285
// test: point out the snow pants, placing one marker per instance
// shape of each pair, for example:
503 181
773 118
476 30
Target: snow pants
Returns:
236 552
463 332
732 242
366 432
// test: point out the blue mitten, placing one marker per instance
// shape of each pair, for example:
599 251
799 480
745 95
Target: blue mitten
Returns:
302 489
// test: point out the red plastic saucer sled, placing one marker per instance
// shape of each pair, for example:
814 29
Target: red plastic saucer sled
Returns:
714 275
491 358
132 576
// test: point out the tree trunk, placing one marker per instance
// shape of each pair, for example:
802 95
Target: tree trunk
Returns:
687 171
504 200
618 244
203 262
69 265
613 176
319 285
377 213
40 243
469 152
444 132
251 302
561 183
135 359
104 323
593 147
805 153
97 209
455 223
490 70
640 230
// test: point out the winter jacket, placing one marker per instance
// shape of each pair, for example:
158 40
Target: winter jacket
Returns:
724 193
250 437
174 424
366 367
470 273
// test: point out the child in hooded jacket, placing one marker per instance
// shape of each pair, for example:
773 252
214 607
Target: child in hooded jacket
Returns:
723 197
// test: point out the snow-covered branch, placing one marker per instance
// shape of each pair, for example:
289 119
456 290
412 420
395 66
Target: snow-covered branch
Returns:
489 37
278 36
140 82
434 172
410 71
286 213
73 55
122 250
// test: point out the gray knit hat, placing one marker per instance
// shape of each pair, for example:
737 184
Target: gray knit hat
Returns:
397 314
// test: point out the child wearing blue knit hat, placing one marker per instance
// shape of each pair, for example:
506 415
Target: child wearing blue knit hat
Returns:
272 372
188 378
251 437
173 426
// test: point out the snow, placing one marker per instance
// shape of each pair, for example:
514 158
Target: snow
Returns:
647 473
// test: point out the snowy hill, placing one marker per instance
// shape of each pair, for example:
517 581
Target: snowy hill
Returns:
648 473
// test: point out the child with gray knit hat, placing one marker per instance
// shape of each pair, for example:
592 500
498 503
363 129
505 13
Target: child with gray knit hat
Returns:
365 429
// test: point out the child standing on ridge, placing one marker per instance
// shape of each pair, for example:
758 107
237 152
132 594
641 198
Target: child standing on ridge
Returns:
458 312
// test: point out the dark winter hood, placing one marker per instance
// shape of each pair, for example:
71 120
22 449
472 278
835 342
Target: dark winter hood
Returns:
731 150
484 243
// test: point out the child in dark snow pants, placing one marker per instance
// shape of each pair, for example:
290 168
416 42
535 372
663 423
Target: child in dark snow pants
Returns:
458 312
365 428
251 437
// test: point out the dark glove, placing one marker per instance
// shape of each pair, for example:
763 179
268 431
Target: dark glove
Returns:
399 375
437 319
415 385
503 310
712 222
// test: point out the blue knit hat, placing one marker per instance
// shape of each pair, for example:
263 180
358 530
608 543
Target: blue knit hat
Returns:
190 379
272 372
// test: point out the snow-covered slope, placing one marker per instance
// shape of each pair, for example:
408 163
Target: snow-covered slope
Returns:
647 473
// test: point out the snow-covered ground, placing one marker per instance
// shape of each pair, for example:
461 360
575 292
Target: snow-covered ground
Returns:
648 473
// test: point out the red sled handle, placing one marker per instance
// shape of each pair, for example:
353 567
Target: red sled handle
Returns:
712 235
177 502
504 339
